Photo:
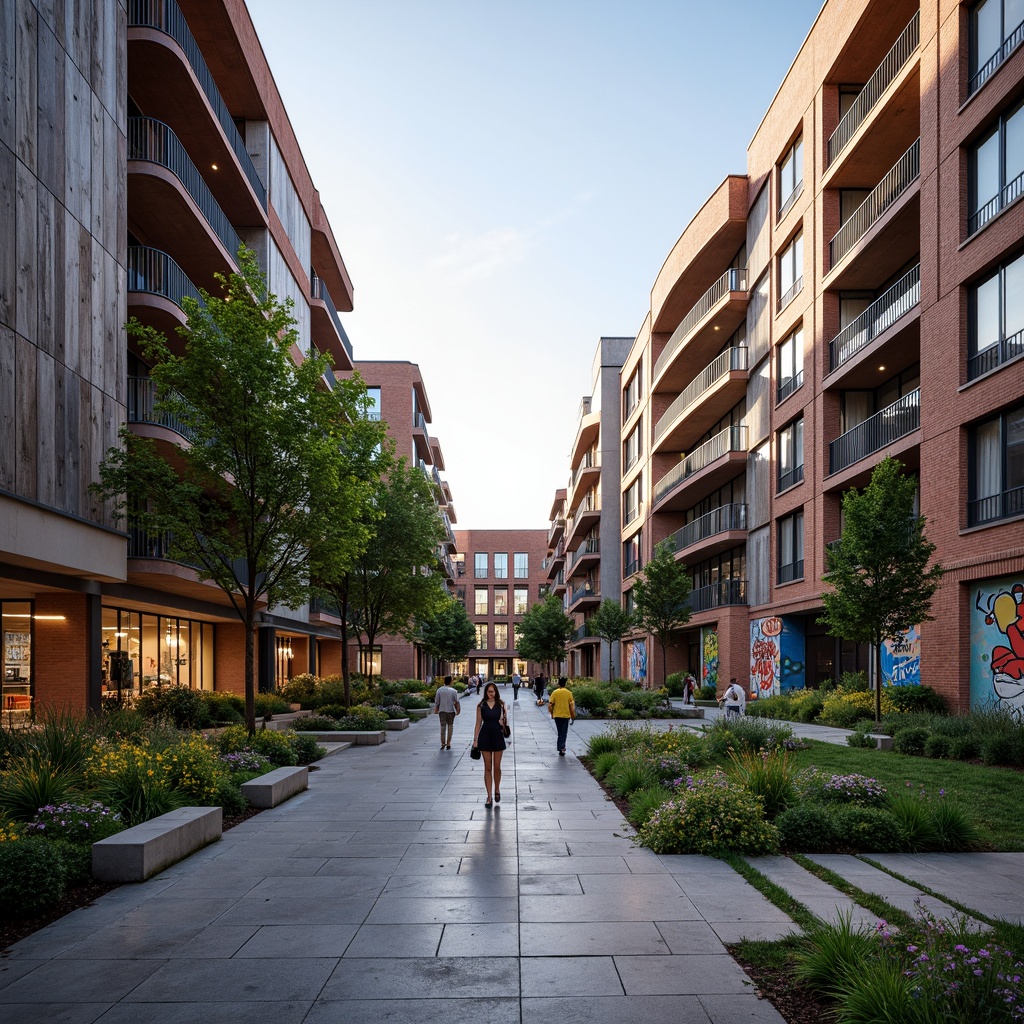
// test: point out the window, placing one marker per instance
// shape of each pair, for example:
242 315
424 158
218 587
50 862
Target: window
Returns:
996 170
369 663
791 271
501 636
631 392
481 636
480 601
480 565
500 601
791 548
631 555
373 403
543 589
521 565
521 600
791 176
791 454
791 364
996 319
632 447
997 469
631 502
997 27
501 565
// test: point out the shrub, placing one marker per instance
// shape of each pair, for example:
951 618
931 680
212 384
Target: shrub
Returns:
75 822
64 740
807 705
706 693
910 741
644 802
129 778
854 682
917 698
223 708
29 784
245 762
712 817
604 763
305 748
33 876
414 702
833 954
270 704
675 684
317 723
965 748
184 707
866 829
299 689
362 717
744 734
643 702
594 698
768 775
916 822
937 745
192 767
844 708
842 789
628 775
861 739
601 743
1001 749
955 829
274 746
806 828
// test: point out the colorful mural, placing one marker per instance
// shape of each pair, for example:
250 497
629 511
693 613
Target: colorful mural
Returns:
638 660
997 643
709 659
901 659
777 656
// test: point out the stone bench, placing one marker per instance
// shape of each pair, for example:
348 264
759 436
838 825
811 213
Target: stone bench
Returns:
396 724
882 742
140 852
417 713
688 712
370 737
275 787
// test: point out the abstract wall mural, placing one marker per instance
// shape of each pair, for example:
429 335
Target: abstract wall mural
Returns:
777 655
709 657
901 659
997 643
638 660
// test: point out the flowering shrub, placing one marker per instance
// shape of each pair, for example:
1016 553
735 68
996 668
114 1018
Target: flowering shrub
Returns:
128 775
768 774
275 746
9 832
192 768
245 761
710 816
76 823
841 789
844 708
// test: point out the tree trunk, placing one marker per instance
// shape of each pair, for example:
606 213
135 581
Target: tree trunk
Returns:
664 663
346 674
250 666
878 682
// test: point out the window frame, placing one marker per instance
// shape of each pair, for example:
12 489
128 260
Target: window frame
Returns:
790 442
1006 502
795 380
792 252
480 565
1007 193
501 565
790 159
477 592
521 569
1004 349
787 528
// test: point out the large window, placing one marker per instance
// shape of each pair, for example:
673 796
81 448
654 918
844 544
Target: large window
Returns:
791 271
631 502
631 392
632 447
996 324
370 661
791 364
521 565
373 403
501 565
480 600
996 170
500 601
791 548
631 554
997 28
791 454
480 565
997 468
16 624
481 636
791 176
501 636
520 600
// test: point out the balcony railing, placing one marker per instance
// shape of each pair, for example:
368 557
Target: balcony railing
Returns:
632 568
589 589
718 520
153 271
718 595
580 633
591 460
788 478
732 439
890 424
988 69
789 385
995 355
589 504
166 17
142 402
895 183
733 280
153 141
143 544
889 307
1005 505
592 546
791 292
791 571
883 77
318 290
1010 193
715 371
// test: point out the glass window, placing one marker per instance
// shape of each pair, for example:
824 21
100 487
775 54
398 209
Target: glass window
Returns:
480 600
997 468
996 170
632 447
791 271
631 502
501 600
996 319
501 565
370 663
631 554
791 548
501 636
631 392
521 565
481 636
480 565
996 28
791 364
791 175
791 454
373 404
17 625
520 600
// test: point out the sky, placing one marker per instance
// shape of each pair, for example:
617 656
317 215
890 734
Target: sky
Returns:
505 179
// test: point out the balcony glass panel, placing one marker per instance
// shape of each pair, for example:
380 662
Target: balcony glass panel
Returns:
718 595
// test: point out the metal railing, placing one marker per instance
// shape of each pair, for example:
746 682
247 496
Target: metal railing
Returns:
791 292
590 461
144 544
153 141
886 426
790 200
166 17
142 407
889 307
788 386
585 590
153 271
791 477
995 355
318 290
1005 505
557 527
632 568
718 595
591 546
589 504
718 520
732 439
1009 193
895 182
733 280
988 69
718 369
791 571
881 79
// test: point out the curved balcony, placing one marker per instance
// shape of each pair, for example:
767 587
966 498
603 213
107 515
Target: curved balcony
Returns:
886 427
722 308
172 200
724 594
587 474
142 408
720 529
587 595
703 470
556 561
558 583
586 432
584 557
156 288
703 402
587 516
556 531
327 331
168 75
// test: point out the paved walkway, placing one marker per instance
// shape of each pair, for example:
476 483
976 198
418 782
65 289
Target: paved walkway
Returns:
388 892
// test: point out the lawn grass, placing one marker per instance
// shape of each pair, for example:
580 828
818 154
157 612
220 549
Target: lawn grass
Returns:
992 795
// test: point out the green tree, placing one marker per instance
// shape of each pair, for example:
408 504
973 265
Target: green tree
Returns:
266 464
447 634
661 599
878 577
611 622
544 631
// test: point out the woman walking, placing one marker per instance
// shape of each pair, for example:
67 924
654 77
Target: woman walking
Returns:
489 734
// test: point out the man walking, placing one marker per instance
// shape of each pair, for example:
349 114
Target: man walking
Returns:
517 681
562 709
446 707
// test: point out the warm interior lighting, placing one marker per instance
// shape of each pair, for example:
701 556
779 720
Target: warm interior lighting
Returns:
881 368
48 618
215 167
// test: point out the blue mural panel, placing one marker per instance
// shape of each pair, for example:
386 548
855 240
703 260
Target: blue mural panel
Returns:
997 643
794 654
638 660
777 656
901 659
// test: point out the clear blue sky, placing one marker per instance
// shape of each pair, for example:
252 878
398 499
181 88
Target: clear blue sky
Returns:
505 180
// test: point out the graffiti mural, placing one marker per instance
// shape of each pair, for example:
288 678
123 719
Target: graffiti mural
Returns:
638 660
997 643
901 659
709 660
776 656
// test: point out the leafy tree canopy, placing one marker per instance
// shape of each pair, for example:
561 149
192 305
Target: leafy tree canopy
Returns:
661 598
448 634
544 631
611 622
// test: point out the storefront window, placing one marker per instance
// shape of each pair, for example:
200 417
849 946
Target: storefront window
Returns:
150 650
16 618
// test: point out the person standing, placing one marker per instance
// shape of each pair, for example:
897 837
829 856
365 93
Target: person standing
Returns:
538 685
562 709
489 739
689 687
734 699
517 681
446 707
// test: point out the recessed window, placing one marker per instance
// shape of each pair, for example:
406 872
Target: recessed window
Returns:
480 565
631 502
501 636
631 554
480 601
791 271
481 636
997 469
791 176
791 454
791 364
521 565
996 319
632 447
501 565
521 599
996 30
501 600
631 392
791 548
996 170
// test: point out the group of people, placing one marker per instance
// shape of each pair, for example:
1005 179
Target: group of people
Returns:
491 726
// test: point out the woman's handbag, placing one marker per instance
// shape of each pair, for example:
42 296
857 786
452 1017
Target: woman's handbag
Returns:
475 753
506 729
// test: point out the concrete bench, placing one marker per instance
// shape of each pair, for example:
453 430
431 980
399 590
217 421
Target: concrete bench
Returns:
370 737
688 712
140 852
418 713
275 787
396 724
882 742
